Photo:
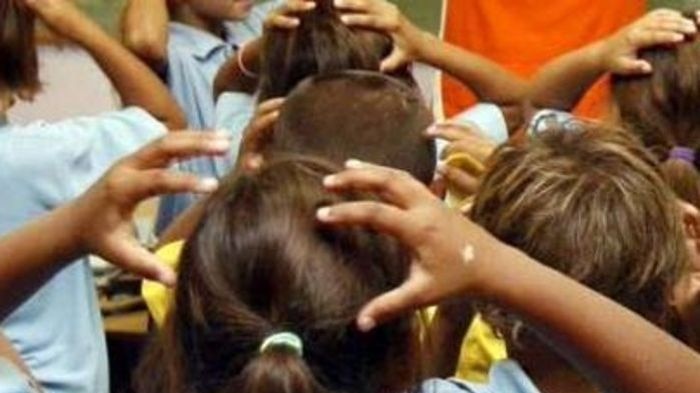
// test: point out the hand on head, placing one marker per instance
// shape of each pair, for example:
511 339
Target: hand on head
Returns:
619 53
258 134
104 213
448 248
286 16
409 40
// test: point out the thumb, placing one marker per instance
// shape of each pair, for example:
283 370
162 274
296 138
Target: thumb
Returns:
388 306
634 67
394 61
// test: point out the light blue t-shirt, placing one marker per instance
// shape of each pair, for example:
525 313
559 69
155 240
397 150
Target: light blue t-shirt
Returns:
194 58
58 331
504 377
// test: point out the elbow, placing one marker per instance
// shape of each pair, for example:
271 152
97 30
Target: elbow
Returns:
151 50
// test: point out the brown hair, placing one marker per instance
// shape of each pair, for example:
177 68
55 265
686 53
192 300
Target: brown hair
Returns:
588 201
258 264
663 110
358 114
19 70
321 44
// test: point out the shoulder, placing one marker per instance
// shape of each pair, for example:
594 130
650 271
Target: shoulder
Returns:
445 386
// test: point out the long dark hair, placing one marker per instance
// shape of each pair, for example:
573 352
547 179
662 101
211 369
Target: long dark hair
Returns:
258 264
663 110
321 44
19 69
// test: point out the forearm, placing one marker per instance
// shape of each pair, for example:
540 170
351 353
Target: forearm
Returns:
31 255
618 349
563 82
231 78
135 83
145 30
488 80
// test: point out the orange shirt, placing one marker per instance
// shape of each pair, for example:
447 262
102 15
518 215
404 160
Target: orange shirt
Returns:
522 35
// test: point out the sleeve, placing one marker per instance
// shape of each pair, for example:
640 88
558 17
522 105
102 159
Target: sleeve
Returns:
233 113
97 143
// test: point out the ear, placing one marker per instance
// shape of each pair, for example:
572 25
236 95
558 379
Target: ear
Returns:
691 225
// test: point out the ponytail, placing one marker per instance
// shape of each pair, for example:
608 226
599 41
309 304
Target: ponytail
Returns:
278 370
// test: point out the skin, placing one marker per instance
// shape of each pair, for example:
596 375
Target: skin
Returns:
145 23
99 222
634 356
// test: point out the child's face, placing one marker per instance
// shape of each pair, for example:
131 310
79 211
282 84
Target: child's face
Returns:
231 10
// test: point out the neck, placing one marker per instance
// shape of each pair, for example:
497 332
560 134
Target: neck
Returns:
550 373
184 14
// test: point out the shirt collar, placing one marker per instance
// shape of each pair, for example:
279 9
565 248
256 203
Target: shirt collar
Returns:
201 43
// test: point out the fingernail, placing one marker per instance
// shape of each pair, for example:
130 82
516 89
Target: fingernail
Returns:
222 134
330 181
441 168
678 37
432 130
323 214
344 18
207 185
220 144
354 164
366 324
167 277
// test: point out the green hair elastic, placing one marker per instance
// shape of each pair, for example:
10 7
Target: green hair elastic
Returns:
283 339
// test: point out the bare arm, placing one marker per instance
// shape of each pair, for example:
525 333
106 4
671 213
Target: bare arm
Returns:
562 83
136 84
100 220
230 76
615 347
145 31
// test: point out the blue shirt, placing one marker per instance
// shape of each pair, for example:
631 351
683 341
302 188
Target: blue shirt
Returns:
13 380
194 58
58 331
504 377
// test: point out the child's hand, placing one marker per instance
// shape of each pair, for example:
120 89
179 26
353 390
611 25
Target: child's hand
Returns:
409 40
448 248
286 15
661 27
103 215
258 134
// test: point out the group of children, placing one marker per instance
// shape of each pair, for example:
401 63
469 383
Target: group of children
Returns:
312 231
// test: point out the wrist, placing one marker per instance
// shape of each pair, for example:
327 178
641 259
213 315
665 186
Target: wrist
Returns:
425 45
598 55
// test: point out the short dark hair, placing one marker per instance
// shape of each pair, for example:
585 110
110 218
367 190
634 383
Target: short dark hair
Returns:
19 68
358 114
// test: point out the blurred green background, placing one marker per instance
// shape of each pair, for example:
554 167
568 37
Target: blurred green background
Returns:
424 12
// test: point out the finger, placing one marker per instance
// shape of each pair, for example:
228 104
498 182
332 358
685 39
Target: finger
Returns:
259 133
390 305
283 22
448 132
132 257
635 67
353 5
652 37
294 6
381 217
268 106
180 146
367 21
394 186
396 60
459 179
155 182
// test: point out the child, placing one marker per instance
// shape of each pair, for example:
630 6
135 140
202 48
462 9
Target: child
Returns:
45 165
187 42
458 258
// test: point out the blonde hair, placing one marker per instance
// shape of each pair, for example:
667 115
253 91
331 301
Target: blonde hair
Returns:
588 201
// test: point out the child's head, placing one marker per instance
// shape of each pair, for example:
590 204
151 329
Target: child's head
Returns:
19 71
589 202
321 44
357 114
260 264
222 10
662 109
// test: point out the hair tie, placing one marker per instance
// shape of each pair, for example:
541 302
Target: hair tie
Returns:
683 153
284 339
